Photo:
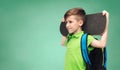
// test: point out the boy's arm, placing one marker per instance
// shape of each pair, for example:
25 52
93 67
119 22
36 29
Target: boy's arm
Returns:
102 43
63 40
63 37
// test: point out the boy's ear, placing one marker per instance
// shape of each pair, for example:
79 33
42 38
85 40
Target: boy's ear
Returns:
80 22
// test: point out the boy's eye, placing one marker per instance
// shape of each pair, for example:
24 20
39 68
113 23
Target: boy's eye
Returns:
70 21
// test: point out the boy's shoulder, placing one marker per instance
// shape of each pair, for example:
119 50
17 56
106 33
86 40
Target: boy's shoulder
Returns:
90 38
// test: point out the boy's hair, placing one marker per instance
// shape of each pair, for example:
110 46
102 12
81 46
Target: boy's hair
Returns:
75 11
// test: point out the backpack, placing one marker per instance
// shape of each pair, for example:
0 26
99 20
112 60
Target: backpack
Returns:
96 59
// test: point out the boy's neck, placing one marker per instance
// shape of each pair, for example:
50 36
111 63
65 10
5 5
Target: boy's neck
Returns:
79 30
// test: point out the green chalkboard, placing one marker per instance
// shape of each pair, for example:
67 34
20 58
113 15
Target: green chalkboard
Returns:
30 37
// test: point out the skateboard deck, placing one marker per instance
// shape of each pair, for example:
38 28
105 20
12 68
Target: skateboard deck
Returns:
94 25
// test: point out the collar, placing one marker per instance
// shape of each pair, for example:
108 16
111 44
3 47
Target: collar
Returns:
77 35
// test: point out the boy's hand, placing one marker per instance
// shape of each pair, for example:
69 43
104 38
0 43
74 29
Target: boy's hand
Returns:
104 12
63 20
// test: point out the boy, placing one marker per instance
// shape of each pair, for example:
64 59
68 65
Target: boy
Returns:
74 19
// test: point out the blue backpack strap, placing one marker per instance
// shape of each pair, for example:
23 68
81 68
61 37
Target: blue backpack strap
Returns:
84 48
105 58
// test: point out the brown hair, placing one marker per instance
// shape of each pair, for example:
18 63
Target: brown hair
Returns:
75 11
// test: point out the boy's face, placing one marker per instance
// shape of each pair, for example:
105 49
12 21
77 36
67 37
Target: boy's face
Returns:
73 24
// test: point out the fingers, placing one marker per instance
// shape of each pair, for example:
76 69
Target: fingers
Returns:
63 20
104 12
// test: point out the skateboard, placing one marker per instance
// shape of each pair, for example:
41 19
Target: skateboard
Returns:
94 25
